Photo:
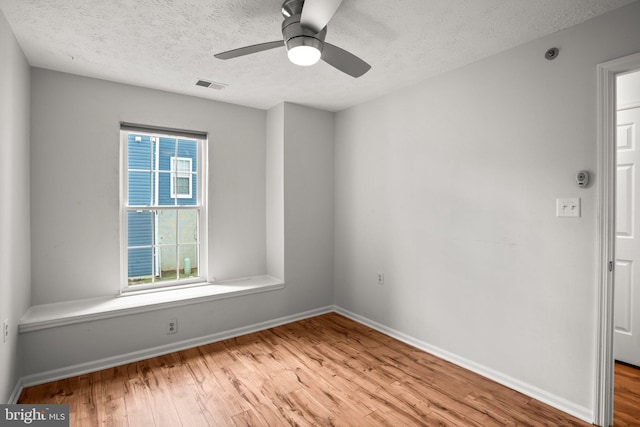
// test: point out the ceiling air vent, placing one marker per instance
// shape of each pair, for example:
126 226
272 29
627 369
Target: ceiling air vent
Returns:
211 85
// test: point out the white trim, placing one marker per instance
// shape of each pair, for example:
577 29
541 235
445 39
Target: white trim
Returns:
15 394
556 401
161 208
109 362
629 105
79 311
603 393
203 200
124 238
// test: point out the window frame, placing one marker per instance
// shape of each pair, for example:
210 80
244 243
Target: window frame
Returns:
201 207
176 173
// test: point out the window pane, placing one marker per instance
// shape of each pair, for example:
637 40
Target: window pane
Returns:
182 185
140 228
188 260
139 152
140 264
188 226
164 190
182 165
139 188
167 263
167 227
167 151
188 149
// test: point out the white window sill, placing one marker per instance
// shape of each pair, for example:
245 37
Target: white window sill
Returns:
78 311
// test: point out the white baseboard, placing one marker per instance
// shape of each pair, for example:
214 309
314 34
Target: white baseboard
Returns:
558 402
110 362
15 394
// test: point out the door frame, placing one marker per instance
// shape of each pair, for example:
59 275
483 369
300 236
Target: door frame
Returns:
606 168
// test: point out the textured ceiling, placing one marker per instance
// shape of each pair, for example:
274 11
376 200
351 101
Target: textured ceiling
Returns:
169 45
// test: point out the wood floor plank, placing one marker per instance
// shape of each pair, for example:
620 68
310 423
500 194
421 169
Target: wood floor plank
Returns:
235 401
112 381
336 397
325 370
217 411
136 398
627 396
88 402
247 418
159 396
114 413
180 384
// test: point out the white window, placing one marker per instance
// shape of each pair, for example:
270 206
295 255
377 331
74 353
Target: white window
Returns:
163 208
181 174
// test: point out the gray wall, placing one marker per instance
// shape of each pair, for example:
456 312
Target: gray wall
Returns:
75 181
275 191
308 204
449 188
15 246
75 125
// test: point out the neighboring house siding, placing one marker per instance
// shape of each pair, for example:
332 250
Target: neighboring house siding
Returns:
186 149
140 232
139 163
140 224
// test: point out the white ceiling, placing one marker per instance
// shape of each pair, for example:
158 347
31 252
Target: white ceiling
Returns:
168 45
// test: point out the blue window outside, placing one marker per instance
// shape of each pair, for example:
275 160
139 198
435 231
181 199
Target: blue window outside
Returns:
162 211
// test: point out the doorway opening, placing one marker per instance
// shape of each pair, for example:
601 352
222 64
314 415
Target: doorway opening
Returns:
611 322
626 295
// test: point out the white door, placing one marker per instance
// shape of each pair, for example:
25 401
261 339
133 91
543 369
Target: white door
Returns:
627 269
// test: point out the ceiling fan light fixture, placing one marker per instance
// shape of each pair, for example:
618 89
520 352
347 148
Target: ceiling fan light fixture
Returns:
304 50
304 55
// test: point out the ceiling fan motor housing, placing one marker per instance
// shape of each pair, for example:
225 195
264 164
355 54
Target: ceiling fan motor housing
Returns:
292 7
295 34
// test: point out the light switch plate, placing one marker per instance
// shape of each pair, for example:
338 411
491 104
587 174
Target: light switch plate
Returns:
568 207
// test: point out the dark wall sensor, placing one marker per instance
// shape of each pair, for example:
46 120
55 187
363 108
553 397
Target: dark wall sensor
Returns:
552 53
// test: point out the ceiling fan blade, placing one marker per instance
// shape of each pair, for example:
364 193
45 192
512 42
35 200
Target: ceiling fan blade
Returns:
248 50
344 61
316 14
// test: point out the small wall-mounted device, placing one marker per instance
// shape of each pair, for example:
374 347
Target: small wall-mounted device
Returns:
552 53
582 178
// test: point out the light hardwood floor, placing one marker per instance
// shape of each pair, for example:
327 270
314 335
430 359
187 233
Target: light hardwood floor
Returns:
324 371
626 400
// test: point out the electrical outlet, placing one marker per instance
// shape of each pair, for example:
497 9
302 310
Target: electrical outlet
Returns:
380 279
5 330
172 326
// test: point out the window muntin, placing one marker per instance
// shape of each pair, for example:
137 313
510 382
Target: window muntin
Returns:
164 214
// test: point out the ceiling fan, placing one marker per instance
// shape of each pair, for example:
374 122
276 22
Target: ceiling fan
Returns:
303 30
